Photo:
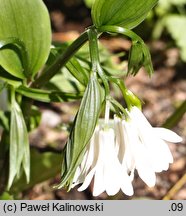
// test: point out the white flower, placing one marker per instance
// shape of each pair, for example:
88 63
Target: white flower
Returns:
144 147
101 163
115 151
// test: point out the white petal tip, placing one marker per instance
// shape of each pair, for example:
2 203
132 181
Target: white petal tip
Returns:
167 135
128 191
112 192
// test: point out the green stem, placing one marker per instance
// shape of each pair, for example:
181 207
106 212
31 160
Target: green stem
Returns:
122 88
94 56
120 30
93 48
12 94
60 61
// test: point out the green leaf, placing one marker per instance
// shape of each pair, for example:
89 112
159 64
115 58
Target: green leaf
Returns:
18 46
29 22
8 78
123 13
82 131
77 71
47 96
19 145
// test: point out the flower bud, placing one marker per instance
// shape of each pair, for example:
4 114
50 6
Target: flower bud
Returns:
132 99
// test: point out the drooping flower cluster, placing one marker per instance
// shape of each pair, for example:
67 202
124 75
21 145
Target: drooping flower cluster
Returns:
115 151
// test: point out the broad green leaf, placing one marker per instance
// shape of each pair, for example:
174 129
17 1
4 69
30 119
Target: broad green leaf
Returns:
19 48
29 22
124 13
8 78
47 96
19 156
82 131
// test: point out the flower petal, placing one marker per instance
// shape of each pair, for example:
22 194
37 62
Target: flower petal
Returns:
158 151
126 185
119 138
140 154
110 162
137 116
112 176
99 184
87 180
145 171
160 155
167 135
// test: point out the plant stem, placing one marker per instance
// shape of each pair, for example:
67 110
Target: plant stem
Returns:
94 56
60 61
122 88
120 30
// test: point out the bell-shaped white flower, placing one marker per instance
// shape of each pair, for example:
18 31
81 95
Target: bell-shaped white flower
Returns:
101 163
145 146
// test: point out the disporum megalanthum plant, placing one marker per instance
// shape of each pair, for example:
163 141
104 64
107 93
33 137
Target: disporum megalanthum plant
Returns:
109 150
